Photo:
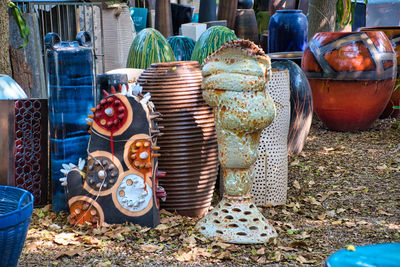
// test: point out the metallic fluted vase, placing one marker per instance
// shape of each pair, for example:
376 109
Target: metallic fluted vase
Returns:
242 109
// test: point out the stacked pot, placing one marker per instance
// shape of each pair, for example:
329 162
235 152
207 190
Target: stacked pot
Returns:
188 145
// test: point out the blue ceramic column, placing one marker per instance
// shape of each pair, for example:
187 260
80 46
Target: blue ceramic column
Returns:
71 96
287 31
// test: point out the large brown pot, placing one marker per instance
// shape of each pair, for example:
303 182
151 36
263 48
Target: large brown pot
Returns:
351 75
189 143
393 33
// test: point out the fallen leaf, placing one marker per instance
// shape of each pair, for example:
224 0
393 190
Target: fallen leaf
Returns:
296 185
286 248
337 222
163 211
190 241
226 255
220 244
321 217
296 162
261 251
340 210
71 252
350 224
151 248
65 239
382 212
357 188
162 227
298 244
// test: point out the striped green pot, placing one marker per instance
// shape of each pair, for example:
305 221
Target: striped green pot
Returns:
148 47
182 47
212 39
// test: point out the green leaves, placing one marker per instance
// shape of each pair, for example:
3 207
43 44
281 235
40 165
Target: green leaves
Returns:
21 22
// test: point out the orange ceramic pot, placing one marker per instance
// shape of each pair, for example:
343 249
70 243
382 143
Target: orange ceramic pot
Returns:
352 75
393 33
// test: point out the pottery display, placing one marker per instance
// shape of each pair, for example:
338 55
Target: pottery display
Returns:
294 56
207 10
287 31
148 47
119 183
393 33
246 25
227 11
182 47
242 109
301 110
212 39
163 18
70 72
351 75
188 144
271 166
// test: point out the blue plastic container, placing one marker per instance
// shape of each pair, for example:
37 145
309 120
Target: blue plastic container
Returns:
71 96
16 207
287 31
379 255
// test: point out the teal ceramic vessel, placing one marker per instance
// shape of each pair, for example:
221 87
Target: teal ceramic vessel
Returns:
182 47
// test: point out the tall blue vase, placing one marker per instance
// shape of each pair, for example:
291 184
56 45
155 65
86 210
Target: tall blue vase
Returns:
287 31
71 96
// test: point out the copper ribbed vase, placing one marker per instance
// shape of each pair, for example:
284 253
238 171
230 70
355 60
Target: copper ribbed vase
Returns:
188 145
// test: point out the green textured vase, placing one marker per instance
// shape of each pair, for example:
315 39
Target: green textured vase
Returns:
212 39
148 47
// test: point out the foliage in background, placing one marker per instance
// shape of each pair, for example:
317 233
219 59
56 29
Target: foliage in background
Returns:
21 22
345 12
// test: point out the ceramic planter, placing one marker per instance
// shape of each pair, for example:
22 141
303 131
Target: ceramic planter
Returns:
287 31
271 167
71 96
188 144
393 33
246 25
227 11
182 47
301 110
351 76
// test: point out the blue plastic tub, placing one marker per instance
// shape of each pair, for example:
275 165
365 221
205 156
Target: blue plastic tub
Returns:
16 207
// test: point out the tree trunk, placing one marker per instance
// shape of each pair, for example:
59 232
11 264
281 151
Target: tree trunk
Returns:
322 16
5 67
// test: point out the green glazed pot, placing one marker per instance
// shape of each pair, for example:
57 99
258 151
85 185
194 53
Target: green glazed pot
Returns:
148 47
212 39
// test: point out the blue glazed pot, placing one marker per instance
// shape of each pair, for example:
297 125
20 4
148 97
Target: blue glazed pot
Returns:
301 110
71 96
182 47
287 31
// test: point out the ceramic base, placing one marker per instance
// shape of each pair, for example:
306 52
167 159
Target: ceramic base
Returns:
236 219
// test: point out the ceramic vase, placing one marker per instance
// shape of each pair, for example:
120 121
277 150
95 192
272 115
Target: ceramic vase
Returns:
71 96
301 110
271 167
351 76
393 33
287 31
207 10
163 18
227 11
188 144
294 56
246 25
182 47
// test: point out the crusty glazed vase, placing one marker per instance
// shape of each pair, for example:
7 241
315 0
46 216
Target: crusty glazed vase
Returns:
234 79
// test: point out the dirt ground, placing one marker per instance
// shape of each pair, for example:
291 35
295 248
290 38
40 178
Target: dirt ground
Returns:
344 189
